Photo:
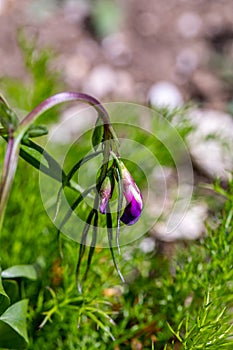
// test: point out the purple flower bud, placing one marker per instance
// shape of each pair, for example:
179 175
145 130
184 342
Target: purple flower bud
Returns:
133 196
105 194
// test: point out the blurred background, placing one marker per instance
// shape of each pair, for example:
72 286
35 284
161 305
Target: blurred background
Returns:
175 56
160 53
118 50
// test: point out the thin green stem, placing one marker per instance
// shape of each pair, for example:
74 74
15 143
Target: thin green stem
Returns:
109 229
10 165
80 163
119 207
120 198
92 246
7 160
82 247
61 98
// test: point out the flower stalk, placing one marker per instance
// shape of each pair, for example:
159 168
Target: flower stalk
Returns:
112 170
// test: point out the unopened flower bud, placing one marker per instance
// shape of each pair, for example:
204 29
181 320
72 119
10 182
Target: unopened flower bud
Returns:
105 194
133 196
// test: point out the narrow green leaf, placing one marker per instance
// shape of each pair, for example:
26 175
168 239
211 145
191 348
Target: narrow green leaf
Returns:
24 271
35 163
109 230
4 299
58 202
97 135
80 163
176 334
74 206
13 326
100 324
12 290
92 247
54 169
82 247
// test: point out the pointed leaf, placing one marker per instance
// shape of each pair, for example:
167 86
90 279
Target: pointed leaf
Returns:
26 271
13 326
4 299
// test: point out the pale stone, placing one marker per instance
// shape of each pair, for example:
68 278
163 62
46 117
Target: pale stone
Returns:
165 94
76 69
147 245
116 48
189 24
190 225
187 61
101 81
211 143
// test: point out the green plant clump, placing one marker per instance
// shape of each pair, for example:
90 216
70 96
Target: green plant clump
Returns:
183 301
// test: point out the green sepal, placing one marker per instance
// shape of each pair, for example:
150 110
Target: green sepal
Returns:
8 118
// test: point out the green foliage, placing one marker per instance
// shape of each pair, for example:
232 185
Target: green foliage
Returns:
26 271
4 299
106 17
13 328
180 301
209 329
190 305
41 83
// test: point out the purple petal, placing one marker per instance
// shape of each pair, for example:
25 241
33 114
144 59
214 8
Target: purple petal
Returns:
132 212
103 206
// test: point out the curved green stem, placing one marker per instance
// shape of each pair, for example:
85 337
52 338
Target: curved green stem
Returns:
75 96
9 168
13 149
81 97
61 98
